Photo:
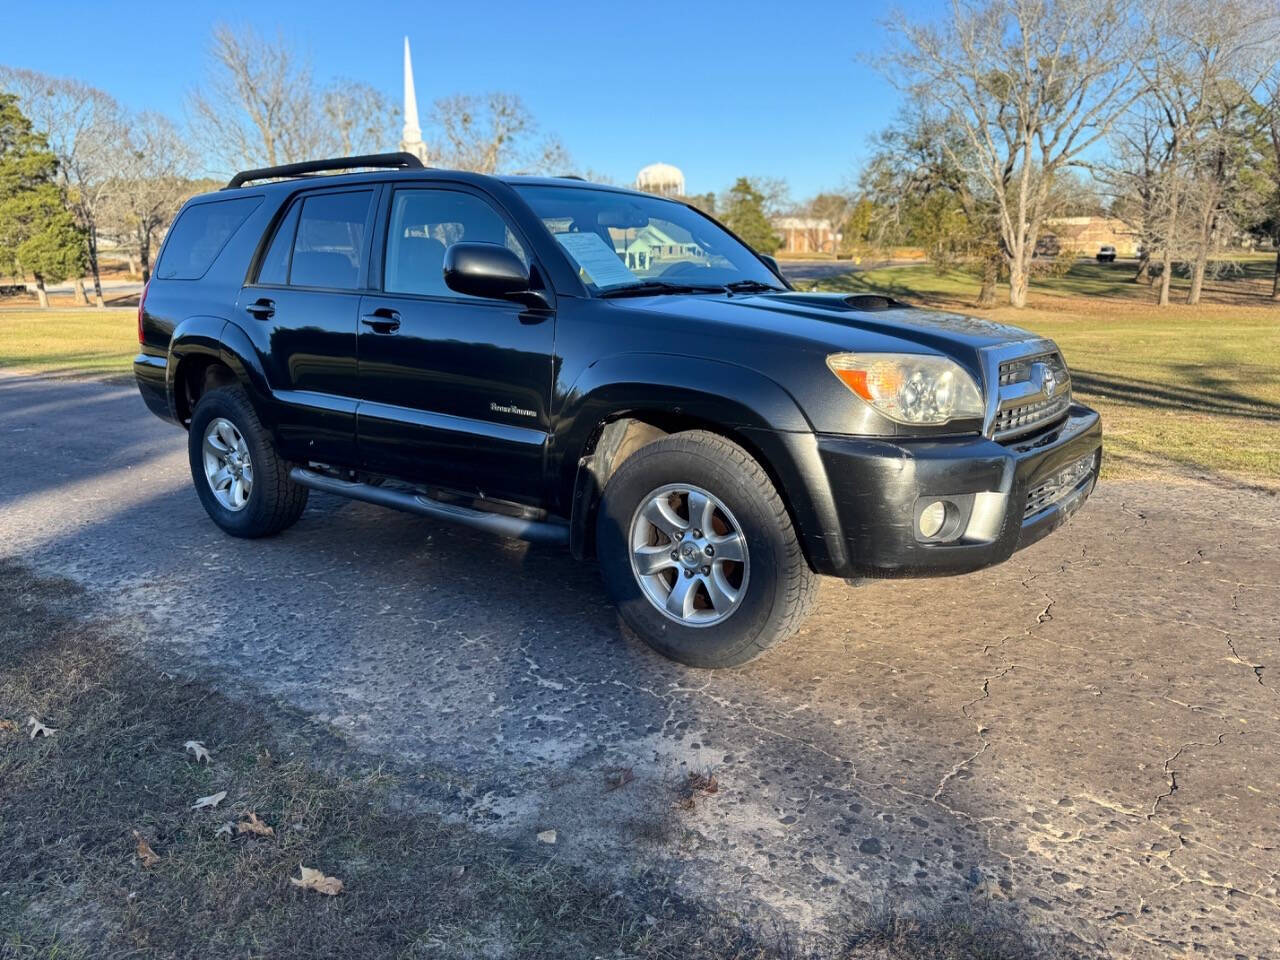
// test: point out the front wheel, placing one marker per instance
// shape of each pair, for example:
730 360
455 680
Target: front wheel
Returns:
242 482
699 554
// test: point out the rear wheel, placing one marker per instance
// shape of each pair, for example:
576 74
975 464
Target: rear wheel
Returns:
242 482
699 554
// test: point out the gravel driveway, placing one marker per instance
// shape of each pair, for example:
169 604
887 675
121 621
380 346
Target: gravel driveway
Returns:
1086 737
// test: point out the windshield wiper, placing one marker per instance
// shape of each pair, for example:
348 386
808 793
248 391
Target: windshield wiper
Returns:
647 288
752 286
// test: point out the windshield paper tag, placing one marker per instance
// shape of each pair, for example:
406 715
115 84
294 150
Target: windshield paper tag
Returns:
597 258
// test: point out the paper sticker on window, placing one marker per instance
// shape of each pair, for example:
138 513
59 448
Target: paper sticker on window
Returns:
597 258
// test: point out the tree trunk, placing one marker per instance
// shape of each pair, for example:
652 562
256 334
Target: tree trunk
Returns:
1144 268
146 261
1018 280
1275 283
1197 277
133 264
1166 269
93 266
990 273
42 295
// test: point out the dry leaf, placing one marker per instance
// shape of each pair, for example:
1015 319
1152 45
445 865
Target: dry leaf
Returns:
317 881
39 729
254 825
145 853
8 725
618 778
547 836
695 784
210 801
224 830
197 747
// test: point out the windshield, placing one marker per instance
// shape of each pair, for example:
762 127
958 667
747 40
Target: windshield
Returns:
621 240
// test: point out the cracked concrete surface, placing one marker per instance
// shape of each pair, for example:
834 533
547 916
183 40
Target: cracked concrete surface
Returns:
1085 737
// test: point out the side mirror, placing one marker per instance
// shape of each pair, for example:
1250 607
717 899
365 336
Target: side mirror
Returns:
772 264
484 270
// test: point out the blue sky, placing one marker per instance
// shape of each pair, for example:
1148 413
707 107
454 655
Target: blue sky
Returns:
719 89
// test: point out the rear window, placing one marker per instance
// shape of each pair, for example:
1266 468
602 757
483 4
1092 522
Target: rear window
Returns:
328 247
198 237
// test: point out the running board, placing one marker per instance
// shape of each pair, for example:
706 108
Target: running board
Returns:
537 531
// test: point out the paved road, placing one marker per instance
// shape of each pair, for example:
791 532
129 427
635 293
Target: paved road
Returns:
1085 737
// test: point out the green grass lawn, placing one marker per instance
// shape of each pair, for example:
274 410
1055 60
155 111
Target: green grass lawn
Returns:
69 342
1191 387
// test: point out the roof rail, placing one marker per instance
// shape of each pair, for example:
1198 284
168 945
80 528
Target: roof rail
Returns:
398 161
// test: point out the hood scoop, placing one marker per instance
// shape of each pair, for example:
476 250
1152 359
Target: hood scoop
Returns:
872 302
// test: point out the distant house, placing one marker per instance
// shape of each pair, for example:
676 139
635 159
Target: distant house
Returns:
806 235
1084 235
640 248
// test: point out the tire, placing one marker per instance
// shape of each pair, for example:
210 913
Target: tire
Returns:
773 590
273 502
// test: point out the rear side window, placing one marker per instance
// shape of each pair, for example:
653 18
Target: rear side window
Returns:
328 245
198 237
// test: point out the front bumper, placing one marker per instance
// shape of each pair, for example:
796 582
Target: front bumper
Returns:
879 487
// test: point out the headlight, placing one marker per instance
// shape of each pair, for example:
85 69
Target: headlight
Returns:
908 387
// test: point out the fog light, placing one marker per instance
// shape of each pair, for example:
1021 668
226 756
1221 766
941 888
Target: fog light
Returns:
932 518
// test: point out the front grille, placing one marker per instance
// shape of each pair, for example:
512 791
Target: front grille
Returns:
1042 406
1060 485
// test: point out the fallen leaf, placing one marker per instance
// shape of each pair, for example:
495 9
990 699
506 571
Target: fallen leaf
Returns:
210 801
457 872
619 778
254 825
701 783
39 729
198 748
317 881
547 836
224 830
145 853
8 725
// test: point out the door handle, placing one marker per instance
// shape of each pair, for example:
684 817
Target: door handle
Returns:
262 309
382 320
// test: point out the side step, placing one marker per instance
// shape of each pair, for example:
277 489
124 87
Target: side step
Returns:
536 531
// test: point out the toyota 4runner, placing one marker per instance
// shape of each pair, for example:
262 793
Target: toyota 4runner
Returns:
602 369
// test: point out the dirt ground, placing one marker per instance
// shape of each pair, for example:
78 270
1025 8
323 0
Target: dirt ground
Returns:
1083 739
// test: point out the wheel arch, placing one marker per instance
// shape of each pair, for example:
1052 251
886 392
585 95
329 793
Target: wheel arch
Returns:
618 417
210 351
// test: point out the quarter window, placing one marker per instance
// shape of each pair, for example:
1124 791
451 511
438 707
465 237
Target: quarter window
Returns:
200 234
424 224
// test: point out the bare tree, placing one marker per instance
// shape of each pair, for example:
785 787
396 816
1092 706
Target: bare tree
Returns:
1132 178
1206 68
153 181
1270 121
260 106
1031 85
83 126
494 133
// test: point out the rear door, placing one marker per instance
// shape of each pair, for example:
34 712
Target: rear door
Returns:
454 390
303 309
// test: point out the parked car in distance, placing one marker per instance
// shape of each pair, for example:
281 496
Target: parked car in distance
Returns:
1106 254
603 370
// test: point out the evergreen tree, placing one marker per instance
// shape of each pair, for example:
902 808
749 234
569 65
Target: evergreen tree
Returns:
37 233
744 215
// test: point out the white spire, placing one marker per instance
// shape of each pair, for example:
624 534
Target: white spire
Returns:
411 138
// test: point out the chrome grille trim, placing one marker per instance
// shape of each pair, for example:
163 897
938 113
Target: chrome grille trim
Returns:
1028 388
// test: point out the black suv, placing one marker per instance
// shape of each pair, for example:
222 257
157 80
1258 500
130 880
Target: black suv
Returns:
603 369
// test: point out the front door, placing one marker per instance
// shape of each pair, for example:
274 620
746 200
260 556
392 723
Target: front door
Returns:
454 390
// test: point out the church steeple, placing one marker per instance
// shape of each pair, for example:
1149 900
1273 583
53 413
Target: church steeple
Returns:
411 138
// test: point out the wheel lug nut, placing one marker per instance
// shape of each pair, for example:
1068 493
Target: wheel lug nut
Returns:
688 573
697 534
675 554
706 569
710 551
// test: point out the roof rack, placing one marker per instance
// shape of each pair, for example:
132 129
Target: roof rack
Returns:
397 161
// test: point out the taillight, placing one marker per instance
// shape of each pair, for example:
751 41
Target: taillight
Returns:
142 303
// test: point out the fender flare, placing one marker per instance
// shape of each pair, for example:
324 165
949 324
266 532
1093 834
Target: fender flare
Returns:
741 403
221 340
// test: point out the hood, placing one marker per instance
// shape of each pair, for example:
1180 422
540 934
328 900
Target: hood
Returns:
837 322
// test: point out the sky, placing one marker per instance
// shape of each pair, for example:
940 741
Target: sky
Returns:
721 90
